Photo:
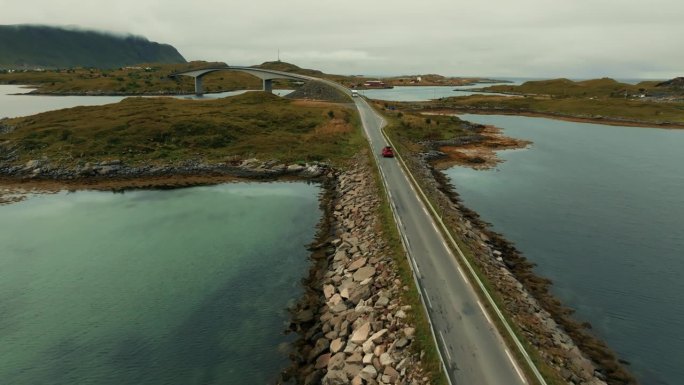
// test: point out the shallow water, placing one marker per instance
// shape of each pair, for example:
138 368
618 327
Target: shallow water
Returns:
600 209
186 286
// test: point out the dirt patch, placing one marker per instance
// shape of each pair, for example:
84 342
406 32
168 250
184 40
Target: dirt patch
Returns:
481 154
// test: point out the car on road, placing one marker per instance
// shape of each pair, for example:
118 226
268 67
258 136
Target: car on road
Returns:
387 152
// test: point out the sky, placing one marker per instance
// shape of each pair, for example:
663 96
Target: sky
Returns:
623 39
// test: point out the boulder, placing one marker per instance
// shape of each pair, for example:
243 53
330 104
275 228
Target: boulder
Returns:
320 346
378 335
328 291
357 264
368 373
364 273
336 345
386 359
360 334
335 377
322 361
336 362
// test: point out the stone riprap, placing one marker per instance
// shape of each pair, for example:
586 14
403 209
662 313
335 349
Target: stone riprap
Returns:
353 326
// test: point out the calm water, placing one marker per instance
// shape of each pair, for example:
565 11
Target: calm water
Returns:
420 93
13 105
600 209
184 286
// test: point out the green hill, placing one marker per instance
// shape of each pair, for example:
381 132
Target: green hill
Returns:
28 46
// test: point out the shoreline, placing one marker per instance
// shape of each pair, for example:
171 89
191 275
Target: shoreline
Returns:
568 118
542 318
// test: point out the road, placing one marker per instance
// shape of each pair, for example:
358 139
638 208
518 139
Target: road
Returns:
471 347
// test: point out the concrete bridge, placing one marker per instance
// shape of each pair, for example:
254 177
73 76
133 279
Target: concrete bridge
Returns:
265 75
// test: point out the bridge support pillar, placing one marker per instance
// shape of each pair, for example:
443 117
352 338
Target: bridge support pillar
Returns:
198 86
268 85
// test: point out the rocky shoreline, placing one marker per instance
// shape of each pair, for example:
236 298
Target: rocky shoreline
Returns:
351 323
567 346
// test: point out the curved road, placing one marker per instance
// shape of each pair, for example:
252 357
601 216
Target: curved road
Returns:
471 347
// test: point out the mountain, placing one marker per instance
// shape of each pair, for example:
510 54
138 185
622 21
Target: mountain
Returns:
30 46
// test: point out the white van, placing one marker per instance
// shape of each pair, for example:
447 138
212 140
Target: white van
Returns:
355 93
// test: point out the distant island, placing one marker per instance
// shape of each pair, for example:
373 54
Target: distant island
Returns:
45 47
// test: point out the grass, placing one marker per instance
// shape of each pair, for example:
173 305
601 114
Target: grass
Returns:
423 341
604 87
166 131
405 138
137 80
616 109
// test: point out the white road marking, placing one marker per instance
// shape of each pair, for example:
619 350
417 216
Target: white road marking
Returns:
484 311
462 273
426 212
416 266
428 299
446 348
515 366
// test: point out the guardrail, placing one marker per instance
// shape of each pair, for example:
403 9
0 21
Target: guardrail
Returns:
483 289
397 222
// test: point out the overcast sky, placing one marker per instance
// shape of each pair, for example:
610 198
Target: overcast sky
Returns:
514 38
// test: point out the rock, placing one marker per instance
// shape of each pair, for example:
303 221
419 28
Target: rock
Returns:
335 299
364 273
321 346
336 345
368 359
314 378
357 380
352 370
382 302
392 373
305 315
344 293
335 377
386 359
328 291
401 343
322 361
409 332
400 314
359 293
369 372
336 361
357 264
378 335
355 358
360 334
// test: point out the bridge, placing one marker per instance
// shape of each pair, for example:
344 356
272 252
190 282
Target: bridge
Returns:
265 75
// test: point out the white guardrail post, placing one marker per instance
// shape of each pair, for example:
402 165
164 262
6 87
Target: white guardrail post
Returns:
405 245
490 300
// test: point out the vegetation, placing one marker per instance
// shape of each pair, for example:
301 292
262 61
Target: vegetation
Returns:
167 130
144 79
29 46
619 110
601 88
423 338
605 100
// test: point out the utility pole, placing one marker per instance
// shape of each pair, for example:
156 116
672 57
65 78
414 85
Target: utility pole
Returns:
278 54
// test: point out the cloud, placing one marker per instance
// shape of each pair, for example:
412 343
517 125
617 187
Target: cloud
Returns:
534 38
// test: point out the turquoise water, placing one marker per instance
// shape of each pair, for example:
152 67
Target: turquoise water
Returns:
184 286
600 209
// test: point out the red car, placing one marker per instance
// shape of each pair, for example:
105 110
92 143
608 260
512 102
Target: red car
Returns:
387 152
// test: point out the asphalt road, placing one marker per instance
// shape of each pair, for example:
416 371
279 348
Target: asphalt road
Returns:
471 347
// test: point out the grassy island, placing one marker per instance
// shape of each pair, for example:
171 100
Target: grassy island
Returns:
167 130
